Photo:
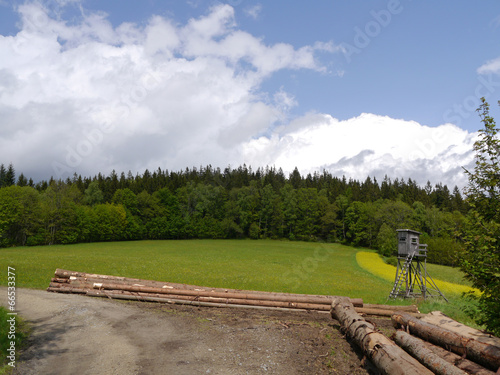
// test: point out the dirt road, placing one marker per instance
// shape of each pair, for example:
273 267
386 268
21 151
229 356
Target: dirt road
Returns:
76 334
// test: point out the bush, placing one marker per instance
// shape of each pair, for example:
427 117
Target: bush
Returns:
393 261
254 231
445 251
387 243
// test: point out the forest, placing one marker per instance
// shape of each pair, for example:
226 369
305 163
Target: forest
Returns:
208 202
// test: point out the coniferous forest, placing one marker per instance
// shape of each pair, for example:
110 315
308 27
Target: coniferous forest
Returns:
208 202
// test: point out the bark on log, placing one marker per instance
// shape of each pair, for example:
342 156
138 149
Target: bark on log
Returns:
464 364
160 297
226 301
87 277
425 356
318 302
389 358
486 355
181 302
66 290
380 312
411 308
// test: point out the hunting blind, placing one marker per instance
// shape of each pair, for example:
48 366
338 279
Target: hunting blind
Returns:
412 279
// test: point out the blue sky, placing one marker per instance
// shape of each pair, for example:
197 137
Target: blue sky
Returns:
358 88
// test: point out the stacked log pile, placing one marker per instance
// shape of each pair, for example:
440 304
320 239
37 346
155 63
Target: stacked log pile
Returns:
436 351
155 291
384 353
472 356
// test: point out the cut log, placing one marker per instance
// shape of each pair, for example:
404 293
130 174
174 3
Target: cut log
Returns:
484 354
161 297
439 319
380 312
66 290
316 301
107 294
386 355
411 308
226 301
81 277
462 363
425 356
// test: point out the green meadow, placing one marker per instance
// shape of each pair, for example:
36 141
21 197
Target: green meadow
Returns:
267 265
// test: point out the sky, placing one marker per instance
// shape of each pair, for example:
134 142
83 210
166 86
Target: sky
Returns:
357 88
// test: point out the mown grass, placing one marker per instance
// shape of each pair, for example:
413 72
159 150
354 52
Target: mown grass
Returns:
281 266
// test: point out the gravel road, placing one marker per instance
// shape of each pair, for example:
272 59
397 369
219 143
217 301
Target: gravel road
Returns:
74 334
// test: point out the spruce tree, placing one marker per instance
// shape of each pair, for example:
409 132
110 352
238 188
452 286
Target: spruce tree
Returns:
3 172
10 176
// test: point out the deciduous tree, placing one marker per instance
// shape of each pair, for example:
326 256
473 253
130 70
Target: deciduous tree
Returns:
481 260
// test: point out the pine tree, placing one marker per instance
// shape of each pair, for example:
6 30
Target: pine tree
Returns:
3 172
22 181
10 176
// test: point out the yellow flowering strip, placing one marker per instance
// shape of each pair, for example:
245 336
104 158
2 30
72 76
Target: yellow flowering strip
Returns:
372 263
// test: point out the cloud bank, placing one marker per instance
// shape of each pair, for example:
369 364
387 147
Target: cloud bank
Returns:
87 97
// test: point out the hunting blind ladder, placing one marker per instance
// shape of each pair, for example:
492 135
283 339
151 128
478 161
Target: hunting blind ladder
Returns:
412 279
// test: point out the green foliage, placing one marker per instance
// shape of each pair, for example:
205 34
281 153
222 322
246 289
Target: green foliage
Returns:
254 231
442 250
392 260
93 194
386 240
237 203
7 176
481 232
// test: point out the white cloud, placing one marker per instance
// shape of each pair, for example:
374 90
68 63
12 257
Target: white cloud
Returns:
88 97
491 66
254 11
367 145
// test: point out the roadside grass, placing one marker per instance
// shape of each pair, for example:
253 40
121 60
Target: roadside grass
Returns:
267 265
21 334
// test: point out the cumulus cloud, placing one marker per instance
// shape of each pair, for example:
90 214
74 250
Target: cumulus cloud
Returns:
87 97
368 145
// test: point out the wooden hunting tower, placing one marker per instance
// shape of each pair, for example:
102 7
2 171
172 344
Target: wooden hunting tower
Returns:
412 279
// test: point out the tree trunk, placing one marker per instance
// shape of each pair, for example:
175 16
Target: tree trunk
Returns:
81 277
432 361
464 364
389 358
150 298
410 308
486 355
381 312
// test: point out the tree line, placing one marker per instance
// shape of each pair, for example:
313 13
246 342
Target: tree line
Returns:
208 202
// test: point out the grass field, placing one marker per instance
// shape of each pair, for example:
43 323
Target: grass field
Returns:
281 266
